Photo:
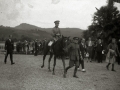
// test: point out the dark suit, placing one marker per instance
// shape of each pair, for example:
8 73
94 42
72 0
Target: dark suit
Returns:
99 50
118 57
83 50
9 46
36 48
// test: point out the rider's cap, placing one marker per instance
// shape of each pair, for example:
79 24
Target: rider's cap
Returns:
57 21
76 38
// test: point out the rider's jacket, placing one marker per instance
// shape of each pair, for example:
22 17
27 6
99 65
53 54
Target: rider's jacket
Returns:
56 32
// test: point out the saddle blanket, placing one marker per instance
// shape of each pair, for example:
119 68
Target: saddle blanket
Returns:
50 43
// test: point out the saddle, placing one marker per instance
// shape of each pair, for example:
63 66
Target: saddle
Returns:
53 41
50 43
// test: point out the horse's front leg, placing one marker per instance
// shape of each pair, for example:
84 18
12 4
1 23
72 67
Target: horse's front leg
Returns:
63 60
51 55
44 55
54 65
43 61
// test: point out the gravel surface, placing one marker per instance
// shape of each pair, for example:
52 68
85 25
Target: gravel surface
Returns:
27 74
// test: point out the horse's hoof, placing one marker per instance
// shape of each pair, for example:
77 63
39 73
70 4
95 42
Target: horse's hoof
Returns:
42 66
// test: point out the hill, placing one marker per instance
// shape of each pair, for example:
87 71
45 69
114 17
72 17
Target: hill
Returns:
22 34
32 32
25 26
65 31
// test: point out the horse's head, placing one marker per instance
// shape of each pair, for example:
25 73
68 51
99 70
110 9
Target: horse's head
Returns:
65 41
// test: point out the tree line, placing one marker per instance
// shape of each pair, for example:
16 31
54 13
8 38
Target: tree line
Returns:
105 24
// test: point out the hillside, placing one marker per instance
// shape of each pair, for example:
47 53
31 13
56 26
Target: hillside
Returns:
31 32
22 34
65 31
25 26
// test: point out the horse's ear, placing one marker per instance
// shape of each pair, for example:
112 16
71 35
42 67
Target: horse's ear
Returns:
68 37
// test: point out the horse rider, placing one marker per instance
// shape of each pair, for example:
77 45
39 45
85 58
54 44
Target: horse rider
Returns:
56 33
74 55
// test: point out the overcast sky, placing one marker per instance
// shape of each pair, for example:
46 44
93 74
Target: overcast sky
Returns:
42 13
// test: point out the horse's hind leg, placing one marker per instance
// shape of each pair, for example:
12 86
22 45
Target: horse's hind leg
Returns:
54 65
51 55
63 60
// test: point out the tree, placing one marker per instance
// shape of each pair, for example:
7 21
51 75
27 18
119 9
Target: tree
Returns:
106 23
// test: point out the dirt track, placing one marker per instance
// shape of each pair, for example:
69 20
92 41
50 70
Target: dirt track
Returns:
26 74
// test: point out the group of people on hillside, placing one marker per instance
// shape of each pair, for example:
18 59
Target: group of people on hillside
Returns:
77 50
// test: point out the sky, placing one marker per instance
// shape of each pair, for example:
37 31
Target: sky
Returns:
43 13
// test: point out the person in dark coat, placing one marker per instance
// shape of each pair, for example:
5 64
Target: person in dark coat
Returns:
39 47
9 47
18 46
82 46
36 47
118 57
74 55
99 50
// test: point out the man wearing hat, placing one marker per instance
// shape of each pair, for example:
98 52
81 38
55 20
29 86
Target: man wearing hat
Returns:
82 46
99 50
9 47
56 33
74 55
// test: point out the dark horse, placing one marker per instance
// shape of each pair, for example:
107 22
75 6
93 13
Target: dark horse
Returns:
58 52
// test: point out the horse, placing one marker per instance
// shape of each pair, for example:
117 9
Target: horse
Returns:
58 52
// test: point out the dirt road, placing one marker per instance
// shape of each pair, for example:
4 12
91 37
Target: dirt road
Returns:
27 74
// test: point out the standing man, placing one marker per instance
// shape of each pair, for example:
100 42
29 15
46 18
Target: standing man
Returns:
90 48
9 47
26 47
118 57
99 50
74 55
56 33
18 46
36 47
82 46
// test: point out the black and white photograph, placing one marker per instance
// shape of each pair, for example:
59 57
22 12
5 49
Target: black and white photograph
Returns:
59 44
